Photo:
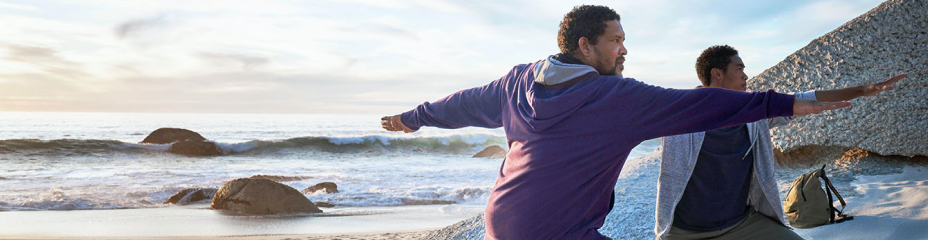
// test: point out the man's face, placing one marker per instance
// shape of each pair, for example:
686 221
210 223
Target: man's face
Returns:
609 51
733 78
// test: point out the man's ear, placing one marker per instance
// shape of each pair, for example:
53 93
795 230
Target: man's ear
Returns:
716 73
585 46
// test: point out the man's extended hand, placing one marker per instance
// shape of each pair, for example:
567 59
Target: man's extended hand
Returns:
802 107
876 88
848 93
393 123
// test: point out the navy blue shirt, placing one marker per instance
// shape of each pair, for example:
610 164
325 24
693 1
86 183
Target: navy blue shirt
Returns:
717 194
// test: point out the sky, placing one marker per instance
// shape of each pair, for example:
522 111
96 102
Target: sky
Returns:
352 56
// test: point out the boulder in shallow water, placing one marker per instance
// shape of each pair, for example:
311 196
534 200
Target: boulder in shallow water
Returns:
184 142
185 196
195 148
492 152
325 187
888 40
261 196
169 135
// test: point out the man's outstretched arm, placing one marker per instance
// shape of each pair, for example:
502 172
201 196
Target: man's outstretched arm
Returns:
394 123
478 107
845 94
663 112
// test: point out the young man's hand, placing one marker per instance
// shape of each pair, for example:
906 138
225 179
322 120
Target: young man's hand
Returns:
876 88
848 93
393 123
802 107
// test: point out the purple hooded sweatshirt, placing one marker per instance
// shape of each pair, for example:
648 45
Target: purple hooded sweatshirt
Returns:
570 131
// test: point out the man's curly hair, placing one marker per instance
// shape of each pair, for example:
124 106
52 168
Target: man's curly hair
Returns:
583 21
718 56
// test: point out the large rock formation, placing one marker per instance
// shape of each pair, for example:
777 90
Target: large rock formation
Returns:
261 196
888 40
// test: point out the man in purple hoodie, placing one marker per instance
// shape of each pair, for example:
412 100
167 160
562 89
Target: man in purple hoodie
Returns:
570 124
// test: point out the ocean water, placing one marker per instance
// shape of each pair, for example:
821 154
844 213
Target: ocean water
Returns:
79 161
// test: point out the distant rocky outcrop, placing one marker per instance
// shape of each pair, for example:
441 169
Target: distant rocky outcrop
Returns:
491 152
169 135
261 196
325 187
888 40
189 195
184 142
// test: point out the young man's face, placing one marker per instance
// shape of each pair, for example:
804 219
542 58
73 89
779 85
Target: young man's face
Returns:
609 48
733 77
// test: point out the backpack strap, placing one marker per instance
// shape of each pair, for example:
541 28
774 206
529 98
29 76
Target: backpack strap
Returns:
841 217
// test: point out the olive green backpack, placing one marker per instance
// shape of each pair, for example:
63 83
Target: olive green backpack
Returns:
807 205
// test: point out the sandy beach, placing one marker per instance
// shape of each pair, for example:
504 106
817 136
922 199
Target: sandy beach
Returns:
195 221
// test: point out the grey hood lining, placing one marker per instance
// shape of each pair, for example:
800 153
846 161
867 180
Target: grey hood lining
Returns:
553 72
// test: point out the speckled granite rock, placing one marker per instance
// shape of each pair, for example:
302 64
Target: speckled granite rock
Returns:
889 39
261 196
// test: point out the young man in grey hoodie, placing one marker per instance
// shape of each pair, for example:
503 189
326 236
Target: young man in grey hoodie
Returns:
720 183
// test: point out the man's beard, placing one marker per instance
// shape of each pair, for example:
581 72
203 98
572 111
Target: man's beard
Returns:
608 69
618 68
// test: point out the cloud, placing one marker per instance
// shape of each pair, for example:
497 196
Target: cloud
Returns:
245 62
135 27
42 56
46 61
16 6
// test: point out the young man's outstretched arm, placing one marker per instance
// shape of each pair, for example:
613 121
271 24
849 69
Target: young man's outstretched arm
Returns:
845 94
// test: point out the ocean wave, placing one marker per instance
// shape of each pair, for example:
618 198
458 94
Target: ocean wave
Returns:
74 146
444 144
57 199
457 144
400 197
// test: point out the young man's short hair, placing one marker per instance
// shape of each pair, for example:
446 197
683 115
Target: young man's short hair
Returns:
583 21
717 56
